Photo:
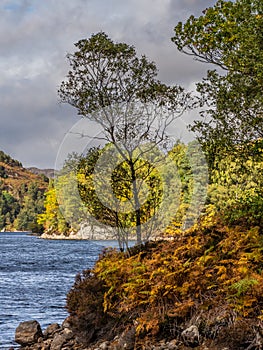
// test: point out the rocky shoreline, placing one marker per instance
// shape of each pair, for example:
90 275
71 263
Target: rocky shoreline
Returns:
55 337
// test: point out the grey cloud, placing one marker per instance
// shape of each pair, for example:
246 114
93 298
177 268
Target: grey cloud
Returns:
35 37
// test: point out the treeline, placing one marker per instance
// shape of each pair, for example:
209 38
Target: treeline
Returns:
21 213
232 190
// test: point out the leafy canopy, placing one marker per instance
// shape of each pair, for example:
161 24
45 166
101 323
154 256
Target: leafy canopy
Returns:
230 36
104 73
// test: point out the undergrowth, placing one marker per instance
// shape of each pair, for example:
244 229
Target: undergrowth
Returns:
211 276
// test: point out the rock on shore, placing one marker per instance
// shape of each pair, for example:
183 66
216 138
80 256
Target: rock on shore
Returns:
30 337
28 333
85 232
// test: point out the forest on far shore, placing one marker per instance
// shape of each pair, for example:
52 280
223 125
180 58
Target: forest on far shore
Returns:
21 196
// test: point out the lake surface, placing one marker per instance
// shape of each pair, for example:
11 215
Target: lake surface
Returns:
35 276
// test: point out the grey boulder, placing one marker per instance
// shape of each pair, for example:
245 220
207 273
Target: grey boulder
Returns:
28 332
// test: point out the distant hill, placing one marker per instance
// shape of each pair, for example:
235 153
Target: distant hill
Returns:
50 173
21 195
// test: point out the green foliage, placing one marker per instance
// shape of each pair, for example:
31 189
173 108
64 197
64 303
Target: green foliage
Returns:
115 205
21 196
31 206
3 173
87 189
95 207
9 209
52 219
229 35
236 188
21 213
232 116
70 205
104 73
181 178
241 287
192 169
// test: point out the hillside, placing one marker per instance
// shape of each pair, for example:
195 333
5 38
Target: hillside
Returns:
21 195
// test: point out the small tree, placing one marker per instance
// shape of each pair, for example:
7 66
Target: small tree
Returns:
108 194
110 85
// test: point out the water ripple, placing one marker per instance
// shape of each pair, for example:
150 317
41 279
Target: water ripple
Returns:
35 276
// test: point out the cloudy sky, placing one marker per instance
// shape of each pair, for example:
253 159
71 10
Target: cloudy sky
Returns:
36 35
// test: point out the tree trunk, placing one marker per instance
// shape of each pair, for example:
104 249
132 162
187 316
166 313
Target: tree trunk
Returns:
137 204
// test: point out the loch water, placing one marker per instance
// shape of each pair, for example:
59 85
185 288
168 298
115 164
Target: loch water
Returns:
35 276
